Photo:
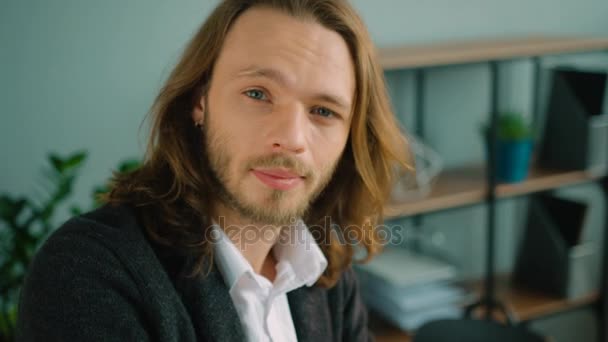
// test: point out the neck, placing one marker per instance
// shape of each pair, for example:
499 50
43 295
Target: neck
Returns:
254 240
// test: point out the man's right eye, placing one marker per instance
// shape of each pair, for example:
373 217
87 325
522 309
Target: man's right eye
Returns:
256 94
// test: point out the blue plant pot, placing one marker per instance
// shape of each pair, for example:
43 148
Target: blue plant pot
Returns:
513 160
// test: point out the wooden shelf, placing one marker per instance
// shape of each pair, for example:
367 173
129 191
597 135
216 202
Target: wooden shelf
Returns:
392 334
525 305
484 50
386 332
467 186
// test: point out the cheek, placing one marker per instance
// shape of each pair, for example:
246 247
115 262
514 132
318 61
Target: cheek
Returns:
239 146
235 126
241 123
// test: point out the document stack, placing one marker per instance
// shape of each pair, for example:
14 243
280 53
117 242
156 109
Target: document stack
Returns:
409 289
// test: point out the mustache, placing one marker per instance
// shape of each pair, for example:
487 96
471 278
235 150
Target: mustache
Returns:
283 161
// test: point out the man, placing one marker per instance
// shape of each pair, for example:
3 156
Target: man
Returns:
272 151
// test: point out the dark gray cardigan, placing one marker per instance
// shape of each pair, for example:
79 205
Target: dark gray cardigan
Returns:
98 278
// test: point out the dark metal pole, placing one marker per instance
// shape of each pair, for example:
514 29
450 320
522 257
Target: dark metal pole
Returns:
420 105
603 303
536 67
488 300
419 109
492 182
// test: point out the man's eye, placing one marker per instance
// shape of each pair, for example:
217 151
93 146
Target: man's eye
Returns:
256 94
324 112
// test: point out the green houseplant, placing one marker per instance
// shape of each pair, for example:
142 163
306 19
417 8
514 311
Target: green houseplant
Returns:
26 222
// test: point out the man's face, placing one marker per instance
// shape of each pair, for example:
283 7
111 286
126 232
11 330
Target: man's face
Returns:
277 114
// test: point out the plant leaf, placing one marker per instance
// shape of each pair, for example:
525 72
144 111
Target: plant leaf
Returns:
75 160
129 165
11 208
513 126
75 211
56 162
64 188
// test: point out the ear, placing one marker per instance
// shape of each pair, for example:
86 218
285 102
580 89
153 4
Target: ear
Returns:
198 112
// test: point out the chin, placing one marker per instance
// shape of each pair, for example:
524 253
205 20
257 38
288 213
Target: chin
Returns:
285 206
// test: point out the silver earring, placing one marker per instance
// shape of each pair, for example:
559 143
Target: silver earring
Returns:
199 124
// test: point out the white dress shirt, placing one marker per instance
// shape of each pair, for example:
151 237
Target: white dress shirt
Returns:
262 306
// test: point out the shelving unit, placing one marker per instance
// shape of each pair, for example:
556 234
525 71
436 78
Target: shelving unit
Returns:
477 184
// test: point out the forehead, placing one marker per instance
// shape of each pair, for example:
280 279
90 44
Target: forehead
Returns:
305 52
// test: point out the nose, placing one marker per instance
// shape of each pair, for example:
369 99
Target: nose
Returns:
287 131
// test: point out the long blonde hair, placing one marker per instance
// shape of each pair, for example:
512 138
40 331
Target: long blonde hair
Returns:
172 191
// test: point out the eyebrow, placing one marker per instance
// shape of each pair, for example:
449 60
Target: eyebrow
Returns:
281 78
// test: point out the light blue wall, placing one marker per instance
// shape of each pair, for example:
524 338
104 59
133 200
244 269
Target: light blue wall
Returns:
81 74
78 74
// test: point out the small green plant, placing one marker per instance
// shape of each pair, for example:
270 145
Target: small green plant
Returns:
512 126
26 222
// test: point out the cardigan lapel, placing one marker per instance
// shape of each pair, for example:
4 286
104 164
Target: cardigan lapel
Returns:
310 314
215 318
211 309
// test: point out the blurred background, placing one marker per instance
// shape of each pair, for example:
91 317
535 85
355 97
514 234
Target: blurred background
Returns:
81 75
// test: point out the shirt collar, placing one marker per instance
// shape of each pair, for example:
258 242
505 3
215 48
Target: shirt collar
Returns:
296 252
297 249
229 260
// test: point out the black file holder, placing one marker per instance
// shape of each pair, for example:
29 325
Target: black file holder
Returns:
576 129
552 258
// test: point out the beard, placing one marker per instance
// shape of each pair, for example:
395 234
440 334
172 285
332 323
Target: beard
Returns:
277 207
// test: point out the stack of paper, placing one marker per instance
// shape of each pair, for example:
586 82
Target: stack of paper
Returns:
410 289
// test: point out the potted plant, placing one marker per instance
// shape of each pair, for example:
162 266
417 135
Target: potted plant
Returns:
514 147
26 222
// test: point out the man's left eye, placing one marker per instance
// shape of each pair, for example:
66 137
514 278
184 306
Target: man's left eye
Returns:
256 94
324 112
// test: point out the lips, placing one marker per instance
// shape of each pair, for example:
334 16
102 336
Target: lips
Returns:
277 178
